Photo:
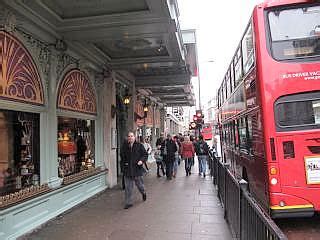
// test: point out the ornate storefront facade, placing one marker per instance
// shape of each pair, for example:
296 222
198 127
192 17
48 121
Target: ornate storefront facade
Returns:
62 114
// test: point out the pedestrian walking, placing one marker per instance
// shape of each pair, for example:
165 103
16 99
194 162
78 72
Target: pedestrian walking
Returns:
133 155
148 148
160 139
193 140
168 149
176 157
187 152
202 150
159 161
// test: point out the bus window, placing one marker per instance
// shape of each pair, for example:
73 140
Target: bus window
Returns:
297 112
295 32
250 134
232 78
238 72
247 50
236 134
226 89
228 83
242 134
233 134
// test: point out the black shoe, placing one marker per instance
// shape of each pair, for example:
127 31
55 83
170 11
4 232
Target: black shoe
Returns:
128 206
204 175
158 175
144 196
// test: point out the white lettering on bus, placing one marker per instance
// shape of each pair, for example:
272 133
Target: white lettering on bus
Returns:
307 75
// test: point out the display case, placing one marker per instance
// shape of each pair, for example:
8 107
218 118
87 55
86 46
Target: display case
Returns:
67 151
75 145
19 150
26 174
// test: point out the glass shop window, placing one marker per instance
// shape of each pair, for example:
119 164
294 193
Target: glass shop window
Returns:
19 151
75 145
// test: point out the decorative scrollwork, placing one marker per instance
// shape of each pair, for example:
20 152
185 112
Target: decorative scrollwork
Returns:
76 93
10 21
41 49
19 77
63 61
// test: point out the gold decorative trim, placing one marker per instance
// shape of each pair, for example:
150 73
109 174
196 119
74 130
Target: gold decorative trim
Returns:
76 93
19 77
22 195
82 175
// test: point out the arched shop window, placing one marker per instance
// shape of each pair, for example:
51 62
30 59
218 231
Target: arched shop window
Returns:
19 131
76 136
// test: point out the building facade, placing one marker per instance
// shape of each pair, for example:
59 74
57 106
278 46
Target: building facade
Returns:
65 72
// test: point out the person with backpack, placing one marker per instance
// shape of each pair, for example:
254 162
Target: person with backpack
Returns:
202 150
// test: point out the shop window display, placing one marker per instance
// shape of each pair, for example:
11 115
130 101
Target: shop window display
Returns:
19 151
75 145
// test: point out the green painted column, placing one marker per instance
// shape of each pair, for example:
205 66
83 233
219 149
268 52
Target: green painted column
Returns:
48 129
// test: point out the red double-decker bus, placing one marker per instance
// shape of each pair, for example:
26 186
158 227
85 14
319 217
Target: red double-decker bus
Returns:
269 107
207 131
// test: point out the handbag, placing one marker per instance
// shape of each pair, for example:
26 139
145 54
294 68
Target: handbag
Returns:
157 156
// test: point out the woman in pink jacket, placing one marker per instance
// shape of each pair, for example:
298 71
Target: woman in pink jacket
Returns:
187 153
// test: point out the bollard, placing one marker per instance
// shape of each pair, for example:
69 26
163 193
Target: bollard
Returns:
243 184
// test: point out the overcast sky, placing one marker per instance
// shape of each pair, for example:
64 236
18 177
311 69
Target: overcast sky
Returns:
219 26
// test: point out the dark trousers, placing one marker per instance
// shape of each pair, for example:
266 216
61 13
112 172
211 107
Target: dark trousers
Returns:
160 166
187 165
129 187
169 166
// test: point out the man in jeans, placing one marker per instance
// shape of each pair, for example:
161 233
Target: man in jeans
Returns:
202 150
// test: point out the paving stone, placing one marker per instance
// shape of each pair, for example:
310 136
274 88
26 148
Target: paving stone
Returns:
185 208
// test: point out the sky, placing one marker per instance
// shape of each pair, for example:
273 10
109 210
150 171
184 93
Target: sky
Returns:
219 27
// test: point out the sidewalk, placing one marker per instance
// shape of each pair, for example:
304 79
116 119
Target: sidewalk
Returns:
185 208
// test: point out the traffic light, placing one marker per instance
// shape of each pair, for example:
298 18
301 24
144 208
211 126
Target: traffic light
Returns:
199 117
195 118
199 113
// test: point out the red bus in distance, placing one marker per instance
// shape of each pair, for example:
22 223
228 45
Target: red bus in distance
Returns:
206 131
269 108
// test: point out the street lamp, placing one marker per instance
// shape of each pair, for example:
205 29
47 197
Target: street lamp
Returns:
145 115
126 98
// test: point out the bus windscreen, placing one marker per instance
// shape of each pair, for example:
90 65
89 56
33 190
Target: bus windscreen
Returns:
295 32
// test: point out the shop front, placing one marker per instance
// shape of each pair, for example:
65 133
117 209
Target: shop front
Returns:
147 120
50 156
22 101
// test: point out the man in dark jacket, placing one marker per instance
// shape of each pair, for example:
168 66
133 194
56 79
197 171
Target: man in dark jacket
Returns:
160 140
133 156
202 150
168 149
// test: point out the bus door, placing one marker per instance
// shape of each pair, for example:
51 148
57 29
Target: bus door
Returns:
299 159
